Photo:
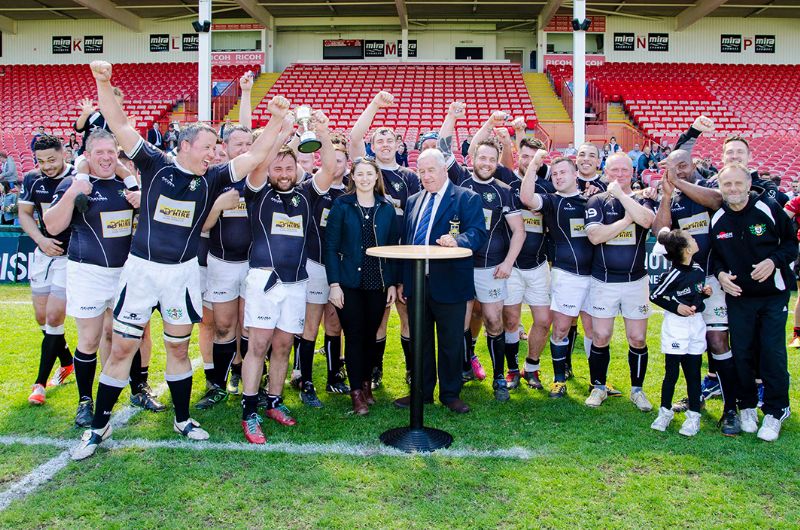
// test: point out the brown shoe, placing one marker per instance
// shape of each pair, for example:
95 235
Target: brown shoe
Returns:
359 403
457 406
405 402
366 387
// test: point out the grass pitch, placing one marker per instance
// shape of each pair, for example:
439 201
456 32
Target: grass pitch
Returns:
581 467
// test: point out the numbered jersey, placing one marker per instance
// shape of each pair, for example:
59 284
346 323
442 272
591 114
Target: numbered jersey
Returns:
101 235
564 218
229 238
175 204
38 190
623 258
280 223
315 242
399 184
534 250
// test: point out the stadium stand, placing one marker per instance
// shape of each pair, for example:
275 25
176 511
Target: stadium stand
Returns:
422 91
34 95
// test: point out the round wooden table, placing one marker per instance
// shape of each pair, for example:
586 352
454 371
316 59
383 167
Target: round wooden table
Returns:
416 437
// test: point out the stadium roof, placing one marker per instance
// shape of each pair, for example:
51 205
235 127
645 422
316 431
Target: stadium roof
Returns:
506 14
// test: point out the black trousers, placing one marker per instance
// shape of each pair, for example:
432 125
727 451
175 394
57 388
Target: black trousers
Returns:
360 317
447 322
757 327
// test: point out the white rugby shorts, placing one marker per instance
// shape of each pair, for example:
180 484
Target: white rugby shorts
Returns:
48 274
283 306
531 286
173 287
715 314
629 299
225 280
317 288
91 289
681 335
489 289
570 292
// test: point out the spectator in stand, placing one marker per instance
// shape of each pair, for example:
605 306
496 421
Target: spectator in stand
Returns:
171 137
8 168
708 164
465 145
402 152
69 155
39 132
644 160
10 194
570 150
795 188
613 145
635 153
605 153
222 128
155 137
73 142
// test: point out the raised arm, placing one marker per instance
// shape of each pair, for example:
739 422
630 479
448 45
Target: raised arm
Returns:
87 108
109 106
663 218
381 100
519 126
497 119
507 155
527 191
245 104
455 112
324 175
707 197
687 140
247 162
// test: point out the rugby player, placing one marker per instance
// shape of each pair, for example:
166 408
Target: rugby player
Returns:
280 213
678 210
161 270
318 290
400 183
49 265
617 223
495 260
100 241
563 213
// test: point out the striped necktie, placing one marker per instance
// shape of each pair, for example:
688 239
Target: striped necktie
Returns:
421 235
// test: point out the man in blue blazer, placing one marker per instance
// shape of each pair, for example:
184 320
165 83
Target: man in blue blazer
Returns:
450 216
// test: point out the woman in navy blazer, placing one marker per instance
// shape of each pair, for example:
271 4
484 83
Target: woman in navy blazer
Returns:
361 286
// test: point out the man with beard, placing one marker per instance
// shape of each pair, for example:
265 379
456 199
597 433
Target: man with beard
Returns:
754 245
48 268
677 210
617 223
495 260
281 213
400 183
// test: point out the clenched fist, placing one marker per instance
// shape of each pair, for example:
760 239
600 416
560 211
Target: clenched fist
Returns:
383 99
703 124
101 70
458 109
278 106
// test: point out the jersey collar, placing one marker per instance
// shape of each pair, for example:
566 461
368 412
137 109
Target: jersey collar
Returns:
479 181
568 194
388 167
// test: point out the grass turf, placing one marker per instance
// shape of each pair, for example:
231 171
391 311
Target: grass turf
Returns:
602 467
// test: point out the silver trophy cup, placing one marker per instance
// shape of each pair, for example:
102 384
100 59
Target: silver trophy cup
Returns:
308 140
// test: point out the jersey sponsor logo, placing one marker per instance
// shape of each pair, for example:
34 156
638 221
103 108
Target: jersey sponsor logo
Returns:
41 189
239 211
135 223
758 229
88 308
626 237
533 222
675 345
696 224
285 225
117 224
323 222
577 227
725 235
168 180
568 207
682 292
97 197
172 212
487 217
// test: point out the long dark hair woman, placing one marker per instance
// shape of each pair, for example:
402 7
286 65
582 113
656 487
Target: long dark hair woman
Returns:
361 286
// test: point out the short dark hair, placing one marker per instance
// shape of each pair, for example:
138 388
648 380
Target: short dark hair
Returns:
532 143
736 138
566 159
232 129
490 142
47 141
286 151
190 132
3 154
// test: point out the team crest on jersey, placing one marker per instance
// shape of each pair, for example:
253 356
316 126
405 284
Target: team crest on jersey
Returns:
489 196
495 293
295 201
397 186
194 184
758 230
174 313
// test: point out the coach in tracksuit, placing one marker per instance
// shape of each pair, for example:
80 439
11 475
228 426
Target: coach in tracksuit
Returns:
754 246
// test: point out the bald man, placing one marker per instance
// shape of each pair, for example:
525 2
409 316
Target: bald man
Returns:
617 223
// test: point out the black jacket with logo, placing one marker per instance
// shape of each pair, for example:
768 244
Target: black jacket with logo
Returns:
742 239
683 284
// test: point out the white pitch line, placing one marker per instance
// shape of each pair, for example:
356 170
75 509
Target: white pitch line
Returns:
29 483
335 449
